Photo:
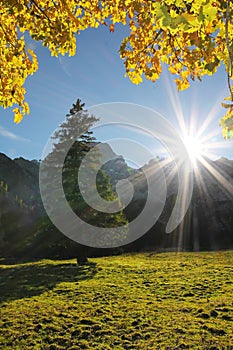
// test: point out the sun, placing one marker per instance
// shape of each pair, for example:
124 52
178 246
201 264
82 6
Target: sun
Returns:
195 147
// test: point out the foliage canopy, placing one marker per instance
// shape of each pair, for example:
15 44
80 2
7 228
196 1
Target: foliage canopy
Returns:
191 37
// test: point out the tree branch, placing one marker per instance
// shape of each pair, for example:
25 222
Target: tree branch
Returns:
229 68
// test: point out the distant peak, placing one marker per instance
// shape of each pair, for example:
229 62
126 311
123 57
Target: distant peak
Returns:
3 155
223 159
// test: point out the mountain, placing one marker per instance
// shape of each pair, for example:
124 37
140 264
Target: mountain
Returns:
116 168
208 222
212 205
20 204
25 228
22 178
17 223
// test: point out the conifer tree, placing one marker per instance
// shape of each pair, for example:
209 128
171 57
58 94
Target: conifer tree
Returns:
79 122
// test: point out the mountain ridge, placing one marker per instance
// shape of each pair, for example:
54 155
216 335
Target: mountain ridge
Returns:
206 226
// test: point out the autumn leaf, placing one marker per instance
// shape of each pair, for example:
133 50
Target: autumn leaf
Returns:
111 28
190 37
226 105
18 115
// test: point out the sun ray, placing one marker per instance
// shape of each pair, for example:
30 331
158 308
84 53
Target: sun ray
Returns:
211 116
175 101
204 131
202 137
222 180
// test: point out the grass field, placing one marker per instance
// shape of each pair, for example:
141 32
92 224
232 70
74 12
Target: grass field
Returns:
141 301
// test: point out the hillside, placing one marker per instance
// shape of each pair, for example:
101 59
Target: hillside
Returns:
22 178
208 222
25 230
207 225
20 204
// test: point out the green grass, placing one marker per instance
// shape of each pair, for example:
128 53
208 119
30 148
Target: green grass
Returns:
141 301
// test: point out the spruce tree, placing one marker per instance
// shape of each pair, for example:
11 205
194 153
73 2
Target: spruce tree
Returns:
79 122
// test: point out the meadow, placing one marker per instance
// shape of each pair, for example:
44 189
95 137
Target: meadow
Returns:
137 301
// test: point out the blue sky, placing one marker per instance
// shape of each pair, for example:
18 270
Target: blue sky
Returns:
96 75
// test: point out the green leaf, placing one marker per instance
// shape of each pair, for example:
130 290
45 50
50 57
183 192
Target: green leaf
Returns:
212 65
161 10
209 12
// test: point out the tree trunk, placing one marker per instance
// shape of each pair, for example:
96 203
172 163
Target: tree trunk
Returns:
82 260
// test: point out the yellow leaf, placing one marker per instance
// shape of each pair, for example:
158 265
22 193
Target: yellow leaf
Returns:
172 70
18 116
229 98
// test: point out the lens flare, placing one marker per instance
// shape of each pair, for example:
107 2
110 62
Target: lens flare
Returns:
196 148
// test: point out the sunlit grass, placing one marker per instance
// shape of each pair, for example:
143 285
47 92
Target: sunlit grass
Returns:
141 301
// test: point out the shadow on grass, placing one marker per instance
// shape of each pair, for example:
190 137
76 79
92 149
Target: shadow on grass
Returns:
31 279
